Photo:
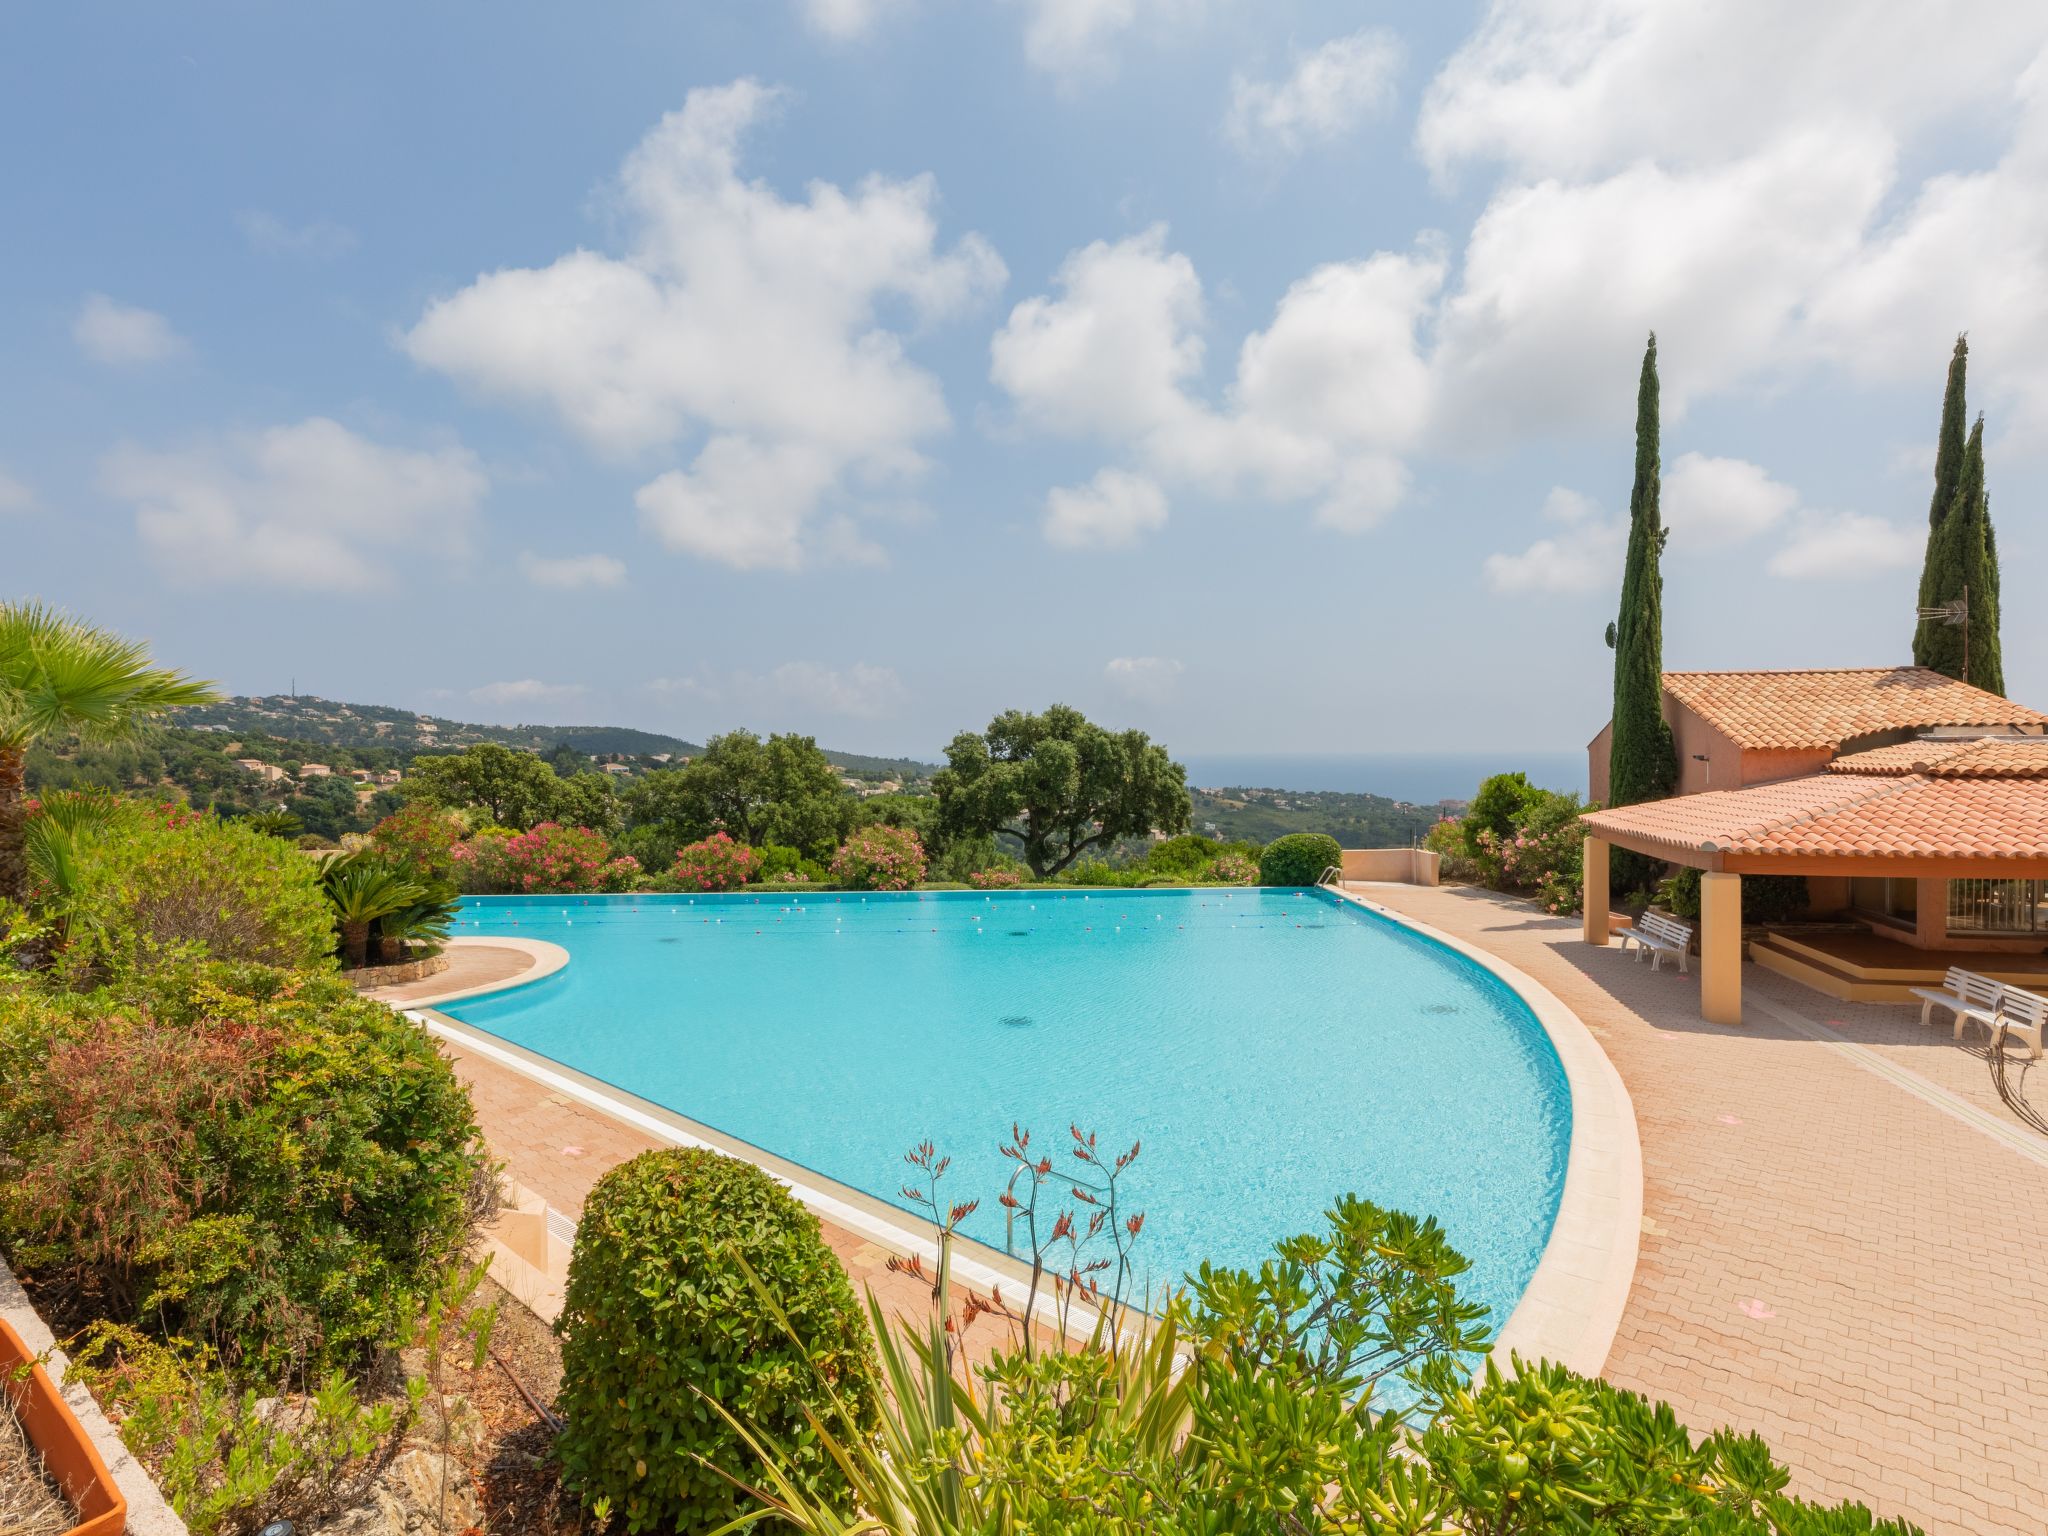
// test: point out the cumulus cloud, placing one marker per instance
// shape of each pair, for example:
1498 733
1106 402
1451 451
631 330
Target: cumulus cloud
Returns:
316 240
572 573
1113 511
1329 93
527 690
1707 501
842 19
1584 559
1322 403
1076 40
736 317
1845 546
15 496
1144 679
311 505
123 335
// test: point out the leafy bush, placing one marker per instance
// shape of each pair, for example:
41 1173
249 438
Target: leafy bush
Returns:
263 1160
995 879
1765 898
158 885
1233 869
1497 808
1183 857
1298 858
552 858
879 858
481 865
715 864
1446 839
1544 852
697 1280
420 840
1250 1408
231 1462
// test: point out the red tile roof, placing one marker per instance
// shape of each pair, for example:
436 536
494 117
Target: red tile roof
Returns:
1994 757
1816 710
1845 815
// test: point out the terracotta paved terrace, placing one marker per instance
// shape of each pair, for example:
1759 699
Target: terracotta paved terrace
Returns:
1828 1258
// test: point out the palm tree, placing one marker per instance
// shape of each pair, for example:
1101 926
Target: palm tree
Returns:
60 676
360 893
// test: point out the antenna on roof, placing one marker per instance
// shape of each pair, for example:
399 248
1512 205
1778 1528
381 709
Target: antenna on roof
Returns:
1955 615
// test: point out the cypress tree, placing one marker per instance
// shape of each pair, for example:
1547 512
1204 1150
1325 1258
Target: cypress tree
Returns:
1948 473
1641 763
1962 555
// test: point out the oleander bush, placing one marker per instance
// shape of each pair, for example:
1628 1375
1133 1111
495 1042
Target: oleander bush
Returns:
1298 858
995 879
420 839
700 1287
879 858
152 885
1232 869
258 1159
715 863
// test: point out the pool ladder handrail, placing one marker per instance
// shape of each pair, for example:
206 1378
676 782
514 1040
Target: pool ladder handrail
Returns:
1334 869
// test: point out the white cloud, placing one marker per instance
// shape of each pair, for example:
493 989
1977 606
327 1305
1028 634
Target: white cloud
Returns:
572 573
1576 88
316 240
123 335
527 690
1113 511
1330 92
1144 679
1075 40
860 691
1845 546
1583 559
842 19
1323 400
735 315
1708 501
312 506
15 496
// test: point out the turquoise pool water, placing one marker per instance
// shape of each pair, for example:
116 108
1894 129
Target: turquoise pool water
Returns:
1271 1049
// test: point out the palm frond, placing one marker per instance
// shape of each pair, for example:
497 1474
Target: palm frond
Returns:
60 675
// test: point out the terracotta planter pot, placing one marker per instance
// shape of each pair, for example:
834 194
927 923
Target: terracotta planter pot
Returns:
67 1451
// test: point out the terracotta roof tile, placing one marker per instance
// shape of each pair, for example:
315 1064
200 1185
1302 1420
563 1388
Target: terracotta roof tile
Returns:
1849 816
1822 709
1997 757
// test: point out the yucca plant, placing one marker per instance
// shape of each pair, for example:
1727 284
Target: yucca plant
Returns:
362 891
59 676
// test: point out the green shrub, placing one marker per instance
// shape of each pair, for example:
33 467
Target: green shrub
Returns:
419 840
1183 857
717 863
1298 858
1497 808
879 858
1232 869
264 1161
159 885
1765 898
663 1317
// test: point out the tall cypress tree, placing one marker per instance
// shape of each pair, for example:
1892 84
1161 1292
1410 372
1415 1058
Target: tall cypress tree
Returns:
1962 556
1948 474
1641 764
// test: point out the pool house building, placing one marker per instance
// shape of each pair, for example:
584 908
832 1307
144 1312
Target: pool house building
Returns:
1914 809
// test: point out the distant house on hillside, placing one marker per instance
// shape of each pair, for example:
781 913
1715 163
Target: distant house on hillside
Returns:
615 768
315 771
270 773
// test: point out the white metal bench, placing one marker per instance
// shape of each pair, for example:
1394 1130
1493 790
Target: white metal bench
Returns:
2022 1014
1965 994
1657 936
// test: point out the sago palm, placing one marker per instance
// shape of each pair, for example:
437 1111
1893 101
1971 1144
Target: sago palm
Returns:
361 892
60 676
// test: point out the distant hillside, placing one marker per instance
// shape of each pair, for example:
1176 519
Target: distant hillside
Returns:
1356 821
304 717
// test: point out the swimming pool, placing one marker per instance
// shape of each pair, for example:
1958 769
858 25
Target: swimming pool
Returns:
1271 1049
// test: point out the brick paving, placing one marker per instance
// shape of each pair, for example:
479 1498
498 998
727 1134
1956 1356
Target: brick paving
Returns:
1826 1259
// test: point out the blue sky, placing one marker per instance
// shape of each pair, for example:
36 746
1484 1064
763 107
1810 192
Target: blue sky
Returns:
1260 374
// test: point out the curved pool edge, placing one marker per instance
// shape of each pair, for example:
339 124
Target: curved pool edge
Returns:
888 1226
547 960
1571 1308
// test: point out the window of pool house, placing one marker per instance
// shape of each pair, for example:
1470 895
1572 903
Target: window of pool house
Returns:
1998 906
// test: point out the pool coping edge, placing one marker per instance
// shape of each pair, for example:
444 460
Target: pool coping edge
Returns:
1571 1308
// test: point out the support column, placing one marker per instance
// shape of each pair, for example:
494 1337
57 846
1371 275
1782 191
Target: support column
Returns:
1721 948
1593 888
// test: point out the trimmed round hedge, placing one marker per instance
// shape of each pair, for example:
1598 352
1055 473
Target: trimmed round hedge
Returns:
1298 858
660 1315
